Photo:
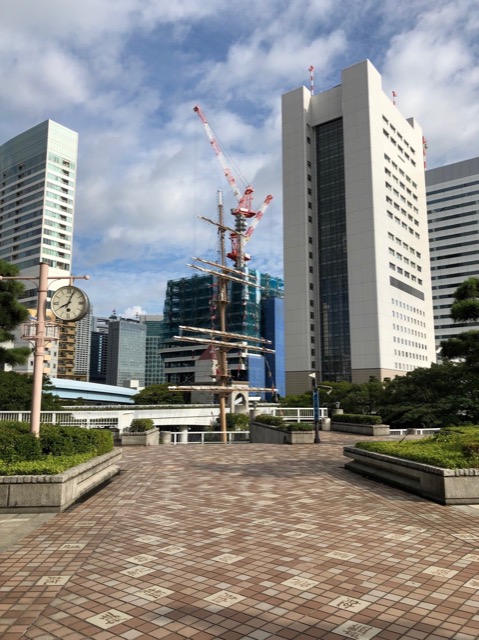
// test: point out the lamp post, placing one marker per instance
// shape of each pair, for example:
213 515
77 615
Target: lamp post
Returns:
40 333
317 438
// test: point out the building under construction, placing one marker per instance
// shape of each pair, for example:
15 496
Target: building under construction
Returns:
255 310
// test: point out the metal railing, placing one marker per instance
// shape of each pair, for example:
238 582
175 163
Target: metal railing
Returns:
414 432
293 414
208 437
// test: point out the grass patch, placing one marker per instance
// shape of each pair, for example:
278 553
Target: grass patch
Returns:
451 448
57 449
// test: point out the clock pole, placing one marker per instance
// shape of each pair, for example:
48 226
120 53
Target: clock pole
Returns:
40 332
39 352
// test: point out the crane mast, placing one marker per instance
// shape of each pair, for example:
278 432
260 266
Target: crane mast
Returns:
244 209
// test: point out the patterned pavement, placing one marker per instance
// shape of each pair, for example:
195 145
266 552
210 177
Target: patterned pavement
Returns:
236 542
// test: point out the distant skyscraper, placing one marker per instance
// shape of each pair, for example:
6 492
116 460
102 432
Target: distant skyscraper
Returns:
37 201
453 216
154 367
126 352
83 347
356 255
99 350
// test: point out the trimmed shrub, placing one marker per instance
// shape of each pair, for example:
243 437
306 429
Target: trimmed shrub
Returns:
359 418
47 466
57 445
451 448
238 421
17 443
273 421
297 426
140 425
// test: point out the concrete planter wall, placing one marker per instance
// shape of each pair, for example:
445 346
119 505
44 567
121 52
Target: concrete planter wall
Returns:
446 486
38 494
362 429
266 434
140 438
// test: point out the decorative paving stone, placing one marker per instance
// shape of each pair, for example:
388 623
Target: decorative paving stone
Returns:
172 549
224 598
53 580
222 530
349 604
440 572
149 539
473 583
72 546
465 536
297 534
472 557
398 536
155 592
143 558
227 558
109 618
340 555
357 631
303 584
137 572
305 526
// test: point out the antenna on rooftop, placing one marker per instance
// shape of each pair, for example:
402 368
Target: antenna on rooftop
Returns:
311 79
395 95
424 149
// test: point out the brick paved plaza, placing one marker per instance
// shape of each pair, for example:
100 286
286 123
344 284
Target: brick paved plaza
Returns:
243 541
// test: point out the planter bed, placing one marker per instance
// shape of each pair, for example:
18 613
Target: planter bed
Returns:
446 486
140 438
362 429
52 493
266 434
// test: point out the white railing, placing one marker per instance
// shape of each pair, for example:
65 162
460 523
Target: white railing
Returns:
293 414
415 432
208 437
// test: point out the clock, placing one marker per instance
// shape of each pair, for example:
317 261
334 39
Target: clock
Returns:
70 303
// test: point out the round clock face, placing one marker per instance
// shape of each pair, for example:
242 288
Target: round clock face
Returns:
70 303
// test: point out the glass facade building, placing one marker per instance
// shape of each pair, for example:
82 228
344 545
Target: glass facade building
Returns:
453 218
126 352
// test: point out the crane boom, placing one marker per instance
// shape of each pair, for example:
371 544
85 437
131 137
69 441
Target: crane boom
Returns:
244 209
219 153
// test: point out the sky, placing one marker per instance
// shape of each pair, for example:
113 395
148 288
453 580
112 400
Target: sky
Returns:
126 74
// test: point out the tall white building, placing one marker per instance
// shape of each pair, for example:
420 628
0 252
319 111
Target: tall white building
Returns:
37 200
356 255
453 216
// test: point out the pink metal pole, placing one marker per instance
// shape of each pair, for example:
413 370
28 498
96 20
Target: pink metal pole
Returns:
39 350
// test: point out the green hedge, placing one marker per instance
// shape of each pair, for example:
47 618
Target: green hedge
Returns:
140 425
48 466
19 448
451 448
266 418
280 423
359 418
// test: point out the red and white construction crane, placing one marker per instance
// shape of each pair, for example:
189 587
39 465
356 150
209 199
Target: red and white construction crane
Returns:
244 209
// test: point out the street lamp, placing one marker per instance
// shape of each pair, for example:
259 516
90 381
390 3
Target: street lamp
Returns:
316 405
317 439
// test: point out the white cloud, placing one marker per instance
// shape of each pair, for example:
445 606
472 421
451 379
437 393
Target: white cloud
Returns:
126 74
433 67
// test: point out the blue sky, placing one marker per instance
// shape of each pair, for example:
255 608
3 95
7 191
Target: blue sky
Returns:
126 75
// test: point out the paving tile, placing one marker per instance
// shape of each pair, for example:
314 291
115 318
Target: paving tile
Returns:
254 542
